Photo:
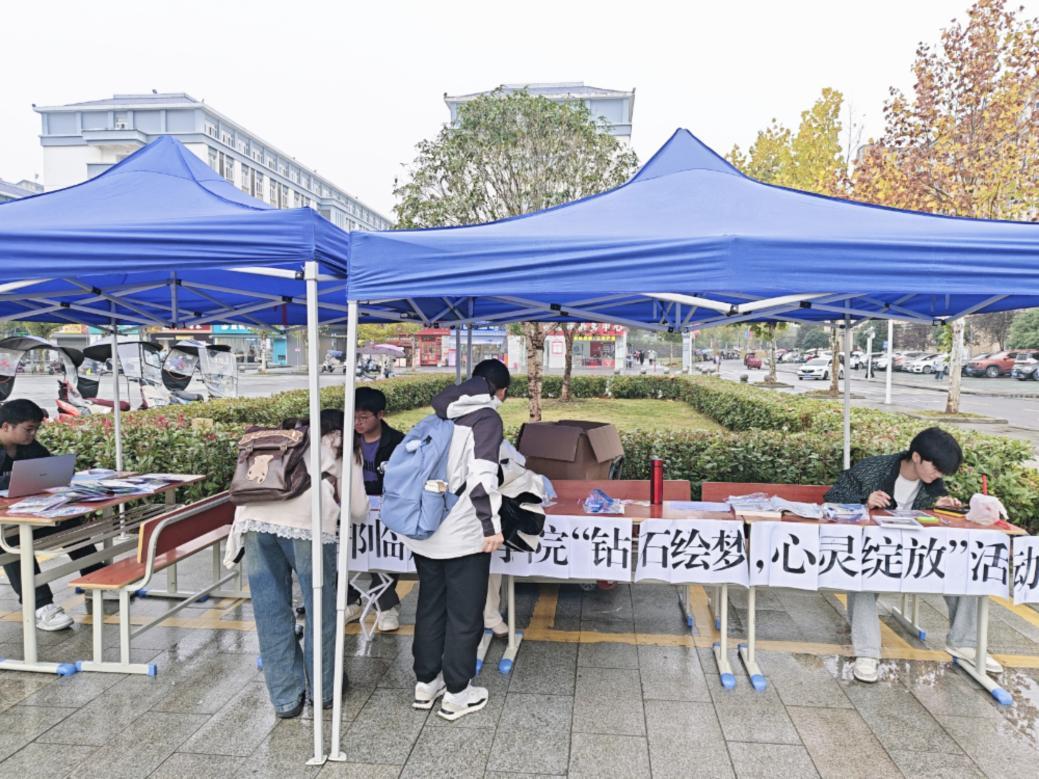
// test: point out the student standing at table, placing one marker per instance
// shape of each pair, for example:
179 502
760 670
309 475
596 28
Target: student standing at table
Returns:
378 440
19 421
907 480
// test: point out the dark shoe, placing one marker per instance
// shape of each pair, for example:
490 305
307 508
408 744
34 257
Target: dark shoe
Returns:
292 713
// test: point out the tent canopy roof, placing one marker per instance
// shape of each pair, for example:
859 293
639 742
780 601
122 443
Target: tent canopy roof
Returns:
693 231
159 212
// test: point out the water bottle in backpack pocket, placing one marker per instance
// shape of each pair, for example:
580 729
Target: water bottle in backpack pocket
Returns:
416 497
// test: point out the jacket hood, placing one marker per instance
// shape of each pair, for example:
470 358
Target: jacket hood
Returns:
461 399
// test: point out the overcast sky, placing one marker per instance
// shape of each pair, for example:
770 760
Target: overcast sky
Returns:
348 88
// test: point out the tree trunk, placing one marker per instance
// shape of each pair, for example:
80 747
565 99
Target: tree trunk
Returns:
952 402
772 353
535 336
569 331
835 361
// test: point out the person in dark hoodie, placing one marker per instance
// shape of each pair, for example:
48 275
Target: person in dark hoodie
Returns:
453 564
377 441
906 480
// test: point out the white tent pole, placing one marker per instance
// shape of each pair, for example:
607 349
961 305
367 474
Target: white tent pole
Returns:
890 360
117 414
316 546
458 354
345 536
469 350
847 392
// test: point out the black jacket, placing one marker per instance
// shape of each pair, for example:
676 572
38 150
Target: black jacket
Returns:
867 476
388 441
30 452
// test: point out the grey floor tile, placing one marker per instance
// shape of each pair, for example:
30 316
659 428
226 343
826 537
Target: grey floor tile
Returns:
996 746
16 686
611 683
803 680
608 656
209 684
43 760
746 719
947 691
76 690
21 724
391 708
284 753
610 605
841 744
928 765
238 728
899 720
385 729
609 715
593 755
764 761
533 734
544 668
142 747
450 752
672 673
180 765
359 771
683 734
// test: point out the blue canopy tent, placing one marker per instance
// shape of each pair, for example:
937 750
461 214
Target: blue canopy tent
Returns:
161 239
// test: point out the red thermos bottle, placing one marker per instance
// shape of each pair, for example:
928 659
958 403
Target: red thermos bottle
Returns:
656 481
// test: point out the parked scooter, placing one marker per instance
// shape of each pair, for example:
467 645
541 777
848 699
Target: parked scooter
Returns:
139 364
216 366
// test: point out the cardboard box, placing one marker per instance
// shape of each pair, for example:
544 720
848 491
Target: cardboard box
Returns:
570 449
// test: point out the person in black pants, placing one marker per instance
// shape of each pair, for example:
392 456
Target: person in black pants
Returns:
19 421
454 562
377 441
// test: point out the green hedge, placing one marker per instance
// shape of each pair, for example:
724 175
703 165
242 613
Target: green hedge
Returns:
770 437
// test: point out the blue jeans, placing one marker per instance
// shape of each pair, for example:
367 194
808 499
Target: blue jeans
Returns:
270 561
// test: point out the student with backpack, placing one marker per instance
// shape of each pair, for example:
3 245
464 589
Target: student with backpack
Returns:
272 487
442 498
377 442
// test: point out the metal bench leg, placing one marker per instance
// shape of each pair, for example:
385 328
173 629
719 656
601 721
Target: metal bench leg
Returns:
515 636
124 626
721 649
685 599
98 620
750 663
713 606
908 616
977 671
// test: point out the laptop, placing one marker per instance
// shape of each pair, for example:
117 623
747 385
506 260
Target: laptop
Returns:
31 477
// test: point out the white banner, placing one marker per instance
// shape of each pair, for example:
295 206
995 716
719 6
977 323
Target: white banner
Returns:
701 551
586 548
1026 569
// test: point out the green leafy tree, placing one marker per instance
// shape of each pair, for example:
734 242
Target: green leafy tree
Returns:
1024 332
511 154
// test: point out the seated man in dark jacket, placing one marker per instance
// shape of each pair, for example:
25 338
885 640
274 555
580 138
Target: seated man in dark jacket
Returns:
378 440
19 421
907 480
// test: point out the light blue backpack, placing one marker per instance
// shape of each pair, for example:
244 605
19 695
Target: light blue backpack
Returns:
415 498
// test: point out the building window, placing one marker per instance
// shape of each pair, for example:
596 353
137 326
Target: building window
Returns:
214 161
257 184
274 192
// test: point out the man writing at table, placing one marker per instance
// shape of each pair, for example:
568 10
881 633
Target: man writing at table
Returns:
19 421
907 480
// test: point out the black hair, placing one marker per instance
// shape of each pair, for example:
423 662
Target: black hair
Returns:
495 372
369 399
19 410
939 448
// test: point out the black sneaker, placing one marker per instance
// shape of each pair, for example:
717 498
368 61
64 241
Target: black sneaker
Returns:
294 712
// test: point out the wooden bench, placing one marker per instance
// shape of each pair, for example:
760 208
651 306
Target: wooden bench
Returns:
802 493
162 542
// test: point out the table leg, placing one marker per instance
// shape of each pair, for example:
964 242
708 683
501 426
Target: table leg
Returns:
907 614
747 651
515 636
721 649
713 605
976 670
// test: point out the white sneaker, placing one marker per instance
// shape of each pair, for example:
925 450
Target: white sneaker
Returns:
353 612
866 669
501 630
455 705
388 621
52 617
425 694
967 653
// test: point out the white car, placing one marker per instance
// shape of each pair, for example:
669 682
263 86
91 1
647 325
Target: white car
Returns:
929 363
819 368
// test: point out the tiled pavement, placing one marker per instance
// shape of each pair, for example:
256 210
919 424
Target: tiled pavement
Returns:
614 687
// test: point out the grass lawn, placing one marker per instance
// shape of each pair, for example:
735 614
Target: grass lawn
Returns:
624 414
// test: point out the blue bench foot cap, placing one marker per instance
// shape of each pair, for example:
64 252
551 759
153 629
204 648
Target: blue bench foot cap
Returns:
505 666
688 622
717 623
67 669
1003 698
479 666
259 663
79 665
203 599
741 647
153 670
141 593
758 682
922 635
79 591
728 681
715 645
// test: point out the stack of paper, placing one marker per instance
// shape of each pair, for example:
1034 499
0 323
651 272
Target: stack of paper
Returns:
846 512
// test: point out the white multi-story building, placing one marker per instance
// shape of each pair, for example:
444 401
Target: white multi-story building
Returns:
80 140
23 188
615 106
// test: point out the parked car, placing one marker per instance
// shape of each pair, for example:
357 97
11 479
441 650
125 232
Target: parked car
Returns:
819 368
792 356
752 360
928 363
903 359
992 365
1026 366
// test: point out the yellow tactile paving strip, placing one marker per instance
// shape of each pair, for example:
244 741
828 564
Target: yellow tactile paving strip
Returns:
542 628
